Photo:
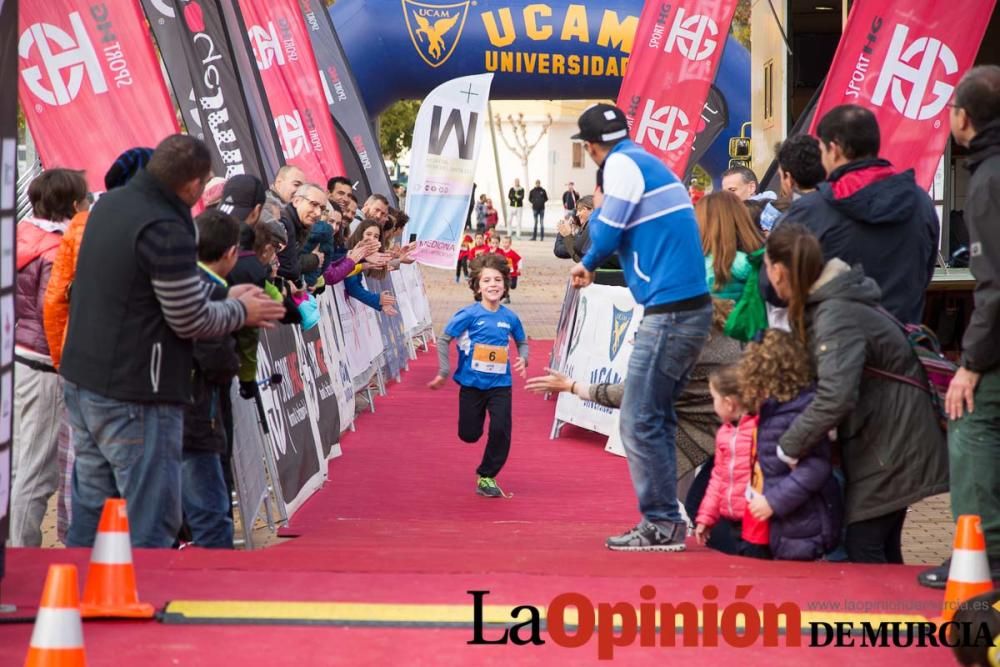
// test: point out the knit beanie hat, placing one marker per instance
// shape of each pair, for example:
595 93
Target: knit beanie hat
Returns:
126 166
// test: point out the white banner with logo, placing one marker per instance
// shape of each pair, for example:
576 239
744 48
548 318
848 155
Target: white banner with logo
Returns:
448 134
600 344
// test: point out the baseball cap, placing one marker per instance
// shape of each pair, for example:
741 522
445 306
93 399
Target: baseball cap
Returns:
277 230
602 123
241 194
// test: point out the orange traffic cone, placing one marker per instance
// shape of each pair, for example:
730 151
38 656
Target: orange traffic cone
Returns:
57 640
110 590
969 574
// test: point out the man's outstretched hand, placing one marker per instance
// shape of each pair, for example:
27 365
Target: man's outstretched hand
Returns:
580 276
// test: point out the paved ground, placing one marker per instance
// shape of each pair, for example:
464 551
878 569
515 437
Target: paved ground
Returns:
927 536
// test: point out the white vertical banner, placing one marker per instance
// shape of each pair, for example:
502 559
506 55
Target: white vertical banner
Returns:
447 137
600 345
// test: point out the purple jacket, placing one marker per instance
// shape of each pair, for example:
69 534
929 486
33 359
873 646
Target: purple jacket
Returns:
338 270
806 501
36 250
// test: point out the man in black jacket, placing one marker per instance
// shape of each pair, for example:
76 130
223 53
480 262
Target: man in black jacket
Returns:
973 399
515 198
298 217
869 213
137 304
538 196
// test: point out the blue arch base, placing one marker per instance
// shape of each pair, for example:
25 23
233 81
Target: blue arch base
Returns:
402 49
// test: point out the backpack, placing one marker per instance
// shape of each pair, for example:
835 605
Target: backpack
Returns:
938 369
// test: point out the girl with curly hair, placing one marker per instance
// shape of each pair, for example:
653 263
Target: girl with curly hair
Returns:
801 501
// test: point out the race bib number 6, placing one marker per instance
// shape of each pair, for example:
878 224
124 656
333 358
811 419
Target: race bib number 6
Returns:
489 359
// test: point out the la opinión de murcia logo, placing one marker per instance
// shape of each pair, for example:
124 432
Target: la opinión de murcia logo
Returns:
914 65
65 59
291 134
266 47
665 127
692 36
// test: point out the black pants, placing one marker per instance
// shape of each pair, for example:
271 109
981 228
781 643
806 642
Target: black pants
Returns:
539 217
513 282
877 540
473 404
462 267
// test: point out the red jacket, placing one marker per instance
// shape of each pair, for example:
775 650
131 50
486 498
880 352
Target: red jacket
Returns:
478 250
36 250
726 493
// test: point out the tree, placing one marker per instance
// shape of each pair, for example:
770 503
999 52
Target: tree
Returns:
519 129
396 128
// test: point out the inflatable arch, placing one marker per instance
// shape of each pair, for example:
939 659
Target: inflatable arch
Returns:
402 49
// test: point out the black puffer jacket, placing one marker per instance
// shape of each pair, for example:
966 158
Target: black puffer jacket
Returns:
869 214
892 448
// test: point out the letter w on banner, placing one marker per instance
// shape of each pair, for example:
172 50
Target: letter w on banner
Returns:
446 141
902 59
280 42
90 84
678 47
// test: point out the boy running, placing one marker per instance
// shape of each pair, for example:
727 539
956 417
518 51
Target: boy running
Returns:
484 330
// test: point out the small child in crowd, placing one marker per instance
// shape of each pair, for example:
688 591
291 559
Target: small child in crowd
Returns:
464 257
494 245
513 261
802 503
720 515
484 330
479 247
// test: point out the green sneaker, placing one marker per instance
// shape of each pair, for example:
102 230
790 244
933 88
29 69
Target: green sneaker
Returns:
487 486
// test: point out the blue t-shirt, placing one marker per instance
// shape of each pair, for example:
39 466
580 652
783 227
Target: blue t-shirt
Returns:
483 342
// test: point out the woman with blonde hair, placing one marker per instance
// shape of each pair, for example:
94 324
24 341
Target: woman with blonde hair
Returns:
728 236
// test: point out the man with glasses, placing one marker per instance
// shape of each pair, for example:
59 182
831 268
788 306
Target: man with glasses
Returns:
298 217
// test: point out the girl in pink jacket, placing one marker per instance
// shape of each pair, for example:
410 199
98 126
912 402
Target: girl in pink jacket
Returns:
720 514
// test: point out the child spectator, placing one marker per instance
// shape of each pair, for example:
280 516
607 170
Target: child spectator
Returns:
720 515
321 239
493 245
484 330
464 257
513 261
368 232
728 236
56 196
204 493
802 503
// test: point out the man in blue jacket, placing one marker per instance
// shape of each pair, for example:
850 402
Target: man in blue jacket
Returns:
645 216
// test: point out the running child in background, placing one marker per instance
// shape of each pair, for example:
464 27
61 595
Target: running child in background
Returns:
720 516
802 504
493 244
464 257
513 261
484 330
479 247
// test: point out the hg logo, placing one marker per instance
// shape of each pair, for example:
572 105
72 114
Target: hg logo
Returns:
291 134
669 122
60 53
898 69
266 47
689 36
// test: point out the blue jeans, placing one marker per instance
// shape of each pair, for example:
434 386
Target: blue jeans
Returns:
125 450
667 346
206 502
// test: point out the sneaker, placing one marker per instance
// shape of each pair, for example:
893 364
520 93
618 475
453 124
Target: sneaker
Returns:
937 577
487 486
650 537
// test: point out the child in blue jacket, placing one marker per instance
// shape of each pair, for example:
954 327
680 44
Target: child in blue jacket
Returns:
802 501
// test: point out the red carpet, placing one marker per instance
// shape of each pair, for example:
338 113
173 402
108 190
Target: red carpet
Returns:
399 522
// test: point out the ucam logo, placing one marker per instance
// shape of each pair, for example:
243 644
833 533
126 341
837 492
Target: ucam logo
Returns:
65 59
914 65
266 47
666 127
291 134
692 36
435 28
